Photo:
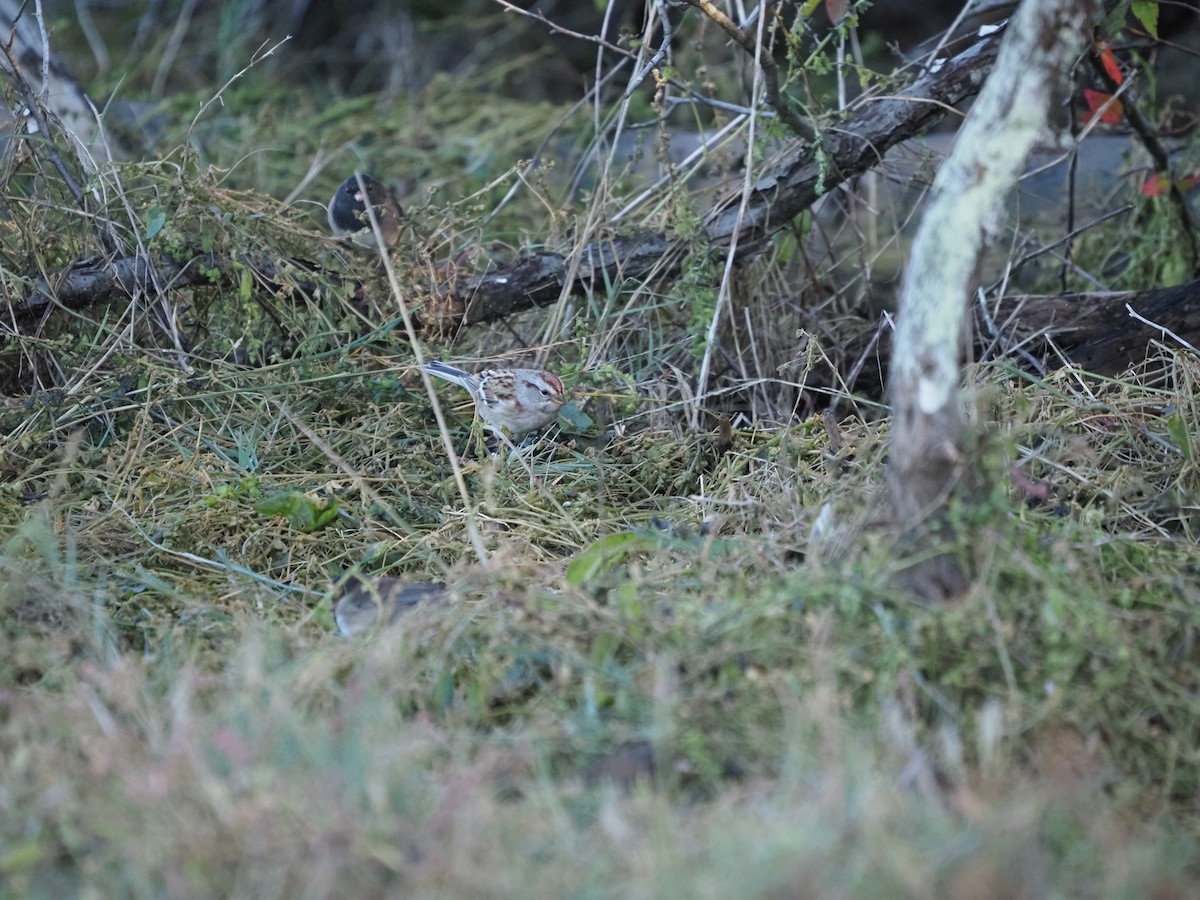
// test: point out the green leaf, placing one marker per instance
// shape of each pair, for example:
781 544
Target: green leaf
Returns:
602 555
574 420
1182 437
1146 12
612 549
21 856
302 512
156 218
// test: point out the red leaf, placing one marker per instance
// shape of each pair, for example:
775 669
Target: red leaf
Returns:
1155 186
1109 61
1096 99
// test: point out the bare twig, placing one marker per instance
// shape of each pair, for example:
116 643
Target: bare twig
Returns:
760 54
554 28
172 49
799 126
693 96
1064 241
1166 332
38 111
258 57
658 57
779 193
92 35
45 36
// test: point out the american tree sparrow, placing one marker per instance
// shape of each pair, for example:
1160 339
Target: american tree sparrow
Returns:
508 400
348 211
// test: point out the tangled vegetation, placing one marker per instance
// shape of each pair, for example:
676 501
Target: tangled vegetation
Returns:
674 663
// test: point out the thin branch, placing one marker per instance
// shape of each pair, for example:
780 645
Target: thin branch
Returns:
45 36
1166 332
38 111
760 54
788 186
258 57
178 33
693 95
658 57
538 16
799 126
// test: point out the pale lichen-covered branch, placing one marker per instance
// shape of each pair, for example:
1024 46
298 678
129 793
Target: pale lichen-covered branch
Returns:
927 461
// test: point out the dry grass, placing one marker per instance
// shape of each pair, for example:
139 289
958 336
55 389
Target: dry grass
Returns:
682 670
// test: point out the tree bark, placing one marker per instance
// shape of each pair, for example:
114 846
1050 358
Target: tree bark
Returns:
928 463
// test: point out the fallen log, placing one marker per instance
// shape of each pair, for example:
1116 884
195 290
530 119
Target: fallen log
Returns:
802 174
1104 333
1094 330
